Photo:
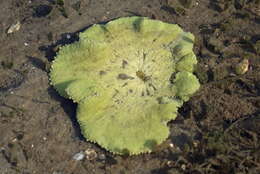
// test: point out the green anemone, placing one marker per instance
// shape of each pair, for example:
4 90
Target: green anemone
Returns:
129 77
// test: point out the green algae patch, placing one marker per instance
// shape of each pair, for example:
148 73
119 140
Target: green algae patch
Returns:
129 77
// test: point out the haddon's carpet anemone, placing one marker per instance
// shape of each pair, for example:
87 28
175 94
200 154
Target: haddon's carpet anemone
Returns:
129 77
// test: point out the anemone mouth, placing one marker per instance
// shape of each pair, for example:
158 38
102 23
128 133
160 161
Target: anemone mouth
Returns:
141 75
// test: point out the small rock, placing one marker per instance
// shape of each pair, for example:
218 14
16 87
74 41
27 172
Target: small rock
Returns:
195 143
102 157
14 27
170 163
91 154
242 67
79 156
14 140
68 36
171 145
183 167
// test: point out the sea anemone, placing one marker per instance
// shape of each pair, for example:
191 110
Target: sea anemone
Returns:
129 77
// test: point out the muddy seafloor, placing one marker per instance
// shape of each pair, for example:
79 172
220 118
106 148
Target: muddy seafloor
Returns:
217 131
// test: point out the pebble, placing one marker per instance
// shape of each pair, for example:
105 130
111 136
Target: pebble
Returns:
183 167
2 149
242 67
195 143
91 154
102 157
68 36
14 27
14 140
171 145
170 163
79 156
